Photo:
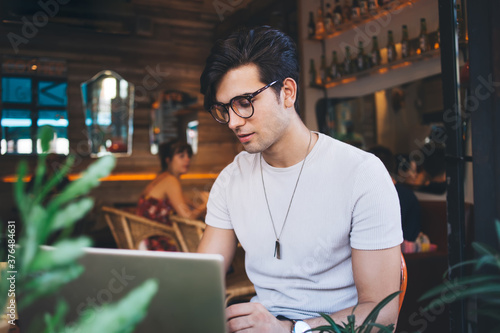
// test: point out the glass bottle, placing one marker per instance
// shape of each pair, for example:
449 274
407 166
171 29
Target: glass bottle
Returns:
337 14
334 67
311 26
363 8
355 10
391 48
323 70
346 11
375 54
361 58
373 6
348 63
313 74
329 25
320 23
423 38
405 43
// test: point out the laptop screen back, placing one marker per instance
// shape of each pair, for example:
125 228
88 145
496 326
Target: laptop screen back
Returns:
190 296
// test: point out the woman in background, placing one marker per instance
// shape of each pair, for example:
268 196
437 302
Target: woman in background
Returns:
164 196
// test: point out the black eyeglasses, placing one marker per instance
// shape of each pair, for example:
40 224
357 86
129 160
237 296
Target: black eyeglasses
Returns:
241 105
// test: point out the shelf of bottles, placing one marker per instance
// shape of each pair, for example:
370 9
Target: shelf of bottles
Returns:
376 62
379 60
331 22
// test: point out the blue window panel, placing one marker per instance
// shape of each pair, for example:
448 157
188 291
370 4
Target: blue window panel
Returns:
16 118
16 132
53 118
16 90
52 93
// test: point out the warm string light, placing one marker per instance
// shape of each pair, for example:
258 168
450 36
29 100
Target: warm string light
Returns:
123 177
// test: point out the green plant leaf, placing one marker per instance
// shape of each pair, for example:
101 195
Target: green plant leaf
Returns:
120 317
67 252
54 323
55 179
324 328
45 134
388 329
32 238
40 170
47 283
70 214
458 285
372 316
475 290
333 326
22 200
89 179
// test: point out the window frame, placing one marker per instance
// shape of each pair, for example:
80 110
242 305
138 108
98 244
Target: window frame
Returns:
33 107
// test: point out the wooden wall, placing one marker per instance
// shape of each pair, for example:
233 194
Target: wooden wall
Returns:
156 45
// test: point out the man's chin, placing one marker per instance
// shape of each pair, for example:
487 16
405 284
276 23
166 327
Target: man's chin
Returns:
252 149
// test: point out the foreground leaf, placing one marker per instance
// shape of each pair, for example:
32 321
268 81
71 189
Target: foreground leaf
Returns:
47 283
89 180
372 316
70 214
120 317
66 254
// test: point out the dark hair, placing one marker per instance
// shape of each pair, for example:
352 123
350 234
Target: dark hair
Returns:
273 52
170 148
386 156
435 163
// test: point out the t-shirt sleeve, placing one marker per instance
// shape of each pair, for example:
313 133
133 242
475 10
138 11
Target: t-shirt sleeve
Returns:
376 215
217 208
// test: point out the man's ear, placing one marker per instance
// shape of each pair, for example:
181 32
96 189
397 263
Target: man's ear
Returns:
290 92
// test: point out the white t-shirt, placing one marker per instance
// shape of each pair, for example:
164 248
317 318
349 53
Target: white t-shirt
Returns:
345 198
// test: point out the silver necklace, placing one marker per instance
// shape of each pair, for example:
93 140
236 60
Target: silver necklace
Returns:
277 251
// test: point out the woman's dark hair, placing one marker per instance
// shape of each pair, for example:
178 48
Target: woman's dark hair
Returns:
273 52
386 156
435 162
170 148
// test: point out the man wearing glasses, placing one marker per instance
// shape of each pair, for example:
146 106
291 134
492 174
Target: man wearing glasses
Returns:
319 220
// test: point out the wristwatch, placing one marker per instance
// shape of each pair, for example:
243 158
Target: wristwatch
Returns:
300 326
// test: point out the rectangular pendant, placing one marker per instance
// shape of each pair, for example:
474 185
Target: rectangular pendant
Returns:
277 253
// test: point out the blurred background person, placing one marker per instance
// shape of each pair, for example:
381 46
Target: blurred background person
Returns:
164 195
410 207
433 186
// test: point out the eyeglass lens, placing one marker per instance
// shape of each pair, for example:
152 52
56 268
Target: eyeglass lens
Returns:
241 105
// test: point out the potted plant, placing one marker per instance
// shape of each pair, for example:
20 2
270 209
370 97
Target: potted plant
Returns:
352 327
483 286
42 273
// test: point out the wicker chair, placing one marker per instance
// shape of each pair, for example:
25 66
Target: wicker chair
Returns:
129 229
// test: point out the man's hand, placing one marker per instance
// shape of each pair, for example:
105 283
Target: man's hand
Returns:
254 317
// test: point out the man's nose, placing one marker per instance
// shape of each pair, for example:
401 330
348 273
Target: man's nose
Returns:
235 121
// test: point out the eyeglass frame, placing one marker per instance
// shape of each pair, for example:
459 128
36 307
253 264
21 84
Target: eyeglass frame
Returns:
249 97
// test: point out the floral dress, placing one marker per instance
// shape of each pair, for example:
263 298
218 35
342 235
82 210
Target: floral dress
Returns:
157 210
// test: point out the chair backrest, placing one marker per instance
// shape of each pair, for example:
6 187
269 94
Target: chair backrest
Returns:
191 230
404 281
129 229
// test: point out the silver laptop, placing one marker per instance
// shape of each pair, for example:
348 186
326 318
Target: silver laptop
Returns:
190 296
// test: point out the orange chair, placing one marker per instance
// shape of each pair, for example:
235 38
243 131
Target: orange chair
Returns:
404 281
